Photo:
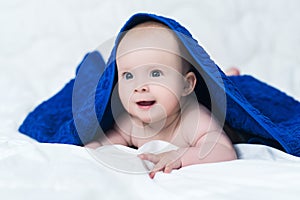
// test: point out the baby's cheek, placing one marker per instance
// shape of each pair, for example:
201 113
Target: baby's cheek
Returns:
124 94
170 101
174 84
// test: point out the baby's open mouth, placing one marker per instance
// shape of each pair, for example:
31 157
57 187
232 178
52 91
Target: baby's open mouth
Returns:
145 103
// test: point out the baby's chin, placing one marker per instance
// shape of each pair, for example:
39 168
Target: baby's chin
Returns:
147 119
152 116
151 120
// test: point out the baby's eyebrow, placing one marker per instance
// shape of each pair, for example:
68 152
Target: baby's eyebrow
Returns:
123 68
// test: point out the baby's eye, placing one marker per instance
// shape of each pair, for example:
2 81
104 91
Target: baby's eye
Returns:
156 73
128 75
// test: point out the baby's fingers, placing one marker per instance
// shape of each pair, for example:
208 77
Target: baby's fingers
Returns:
158 167
150 157
175 162
166 165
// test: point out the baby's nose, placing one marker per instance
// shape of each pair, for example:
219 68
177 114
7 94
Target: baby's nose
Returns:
143 88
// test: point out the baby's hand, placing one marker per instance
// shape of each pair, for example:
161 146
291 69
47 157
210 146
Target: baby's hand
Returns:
165 162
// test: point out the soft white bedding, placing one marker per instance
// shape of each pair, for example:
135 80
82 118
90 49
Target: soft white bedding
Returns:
41 43
57 171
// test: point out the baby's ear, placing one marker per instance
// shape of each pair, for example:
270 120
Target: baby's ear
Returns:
190 81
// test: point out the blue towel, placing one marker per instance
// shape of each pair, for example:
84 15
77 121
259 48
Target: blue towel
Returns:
83 108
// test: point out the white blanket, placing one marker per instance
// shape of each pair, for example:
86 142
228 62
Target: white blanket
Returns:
57 171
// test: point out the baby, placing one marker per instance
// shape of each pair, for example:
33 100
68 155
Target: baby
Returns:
156 88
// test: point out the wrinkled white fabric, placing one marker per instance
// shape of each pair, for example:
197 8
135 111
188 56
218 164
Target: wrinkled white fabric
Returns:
64 171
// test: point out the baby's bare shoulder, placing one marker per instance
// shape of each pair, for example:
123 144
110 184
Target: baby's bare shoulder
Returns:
197 121
193 110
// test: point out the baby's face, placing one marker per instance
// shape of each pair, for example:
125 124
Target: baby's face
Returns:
150 73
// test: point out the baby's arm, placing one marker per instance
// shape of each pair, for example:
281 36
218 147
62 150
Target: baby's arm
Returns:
114 135
111 137
214 146
209 143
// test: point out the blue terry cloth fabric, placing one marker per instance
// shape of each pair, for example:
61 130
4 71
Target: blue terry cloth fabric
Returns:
53 120
249 106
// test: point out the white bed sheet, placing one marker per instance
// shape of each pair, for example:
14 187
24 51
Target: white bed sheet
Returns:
57 171
41 42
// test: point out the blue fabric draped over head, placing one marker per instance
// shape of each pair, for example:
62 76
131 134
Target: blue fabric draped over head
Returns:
256 112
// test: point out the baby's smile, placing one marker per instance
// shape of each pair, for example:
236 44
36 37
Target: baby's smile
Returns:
145 105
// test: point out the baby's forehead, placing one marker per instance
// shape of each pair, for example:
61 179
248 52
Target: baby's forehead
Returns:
149 35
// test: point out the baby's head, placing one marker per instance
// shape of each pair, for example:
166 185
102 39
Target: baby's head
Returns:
153 77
